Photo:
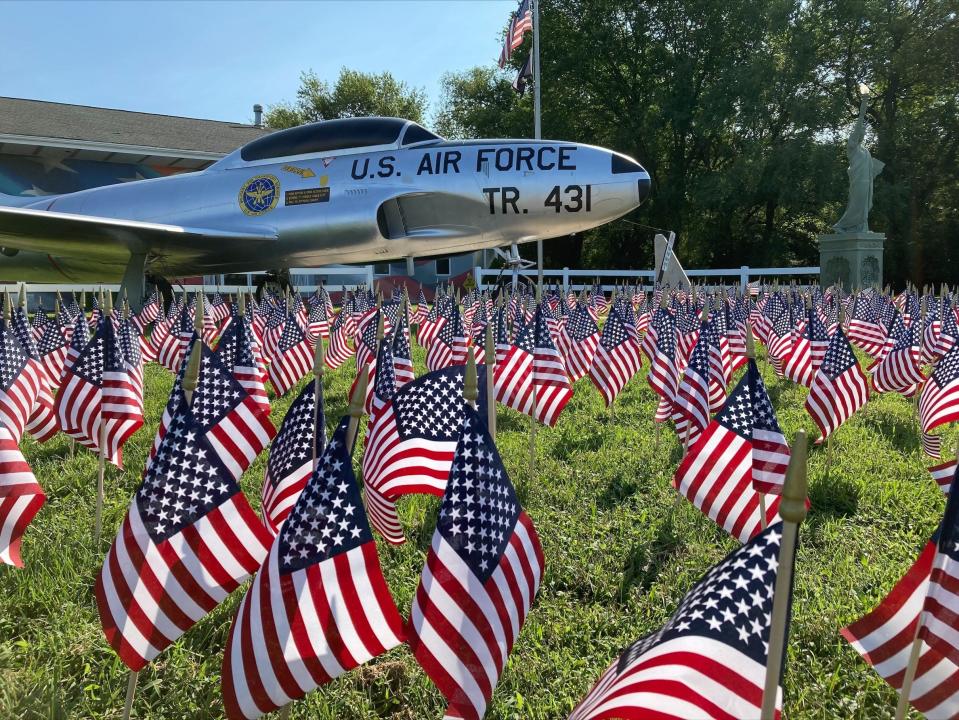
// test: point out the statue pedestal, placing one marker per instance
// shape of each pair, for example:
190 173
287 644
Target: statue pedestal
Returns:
854 258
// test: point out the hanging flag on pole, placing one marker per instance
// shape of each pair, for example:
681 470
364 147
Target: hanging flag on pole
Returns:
520 23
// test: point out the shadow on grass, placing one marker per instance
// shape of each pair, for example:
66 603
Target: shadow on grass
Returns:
617 490
901 433
643 563
832 496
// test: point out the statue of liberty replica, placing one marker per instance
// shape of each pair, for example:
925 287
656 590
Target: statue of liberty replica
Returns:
853 255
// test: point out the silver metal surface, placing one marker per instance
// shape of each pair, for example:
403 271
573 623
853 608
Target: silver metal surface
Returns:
352 205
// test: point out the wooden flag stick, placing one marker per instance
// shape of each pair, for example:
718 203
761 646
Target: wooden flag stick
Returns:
471 381
792 509
902 706
489 359
131 691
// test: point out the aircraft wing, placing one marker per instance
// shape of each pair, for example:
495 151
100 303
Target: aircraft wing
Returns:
110 239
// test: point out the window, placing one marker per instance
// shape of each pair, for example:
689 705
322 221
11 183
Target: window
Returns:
443 266
325 136
381 269
417 134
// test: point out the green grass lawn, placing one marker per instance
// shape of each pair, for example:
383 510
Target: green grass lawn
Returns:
619 556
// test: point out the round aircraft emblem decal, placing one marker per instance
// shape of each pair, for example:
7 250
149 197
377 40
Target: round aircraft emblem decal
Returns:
259 195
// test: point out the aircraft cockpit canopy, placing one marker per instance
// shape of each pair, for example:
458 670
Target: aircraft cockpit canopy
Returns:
337 135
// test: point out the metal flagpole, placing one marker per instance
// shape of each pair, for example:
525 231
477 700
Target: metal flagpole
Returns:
537 120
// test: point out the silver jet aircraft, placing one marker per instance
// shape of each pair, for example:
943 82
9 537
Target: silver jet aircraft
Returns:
354 190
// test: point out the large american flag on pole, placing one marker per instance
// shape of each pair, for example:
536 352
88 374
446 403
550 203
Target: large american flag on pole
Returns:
20 498
319 606
709 660
411 441
482 572
189 539
740 451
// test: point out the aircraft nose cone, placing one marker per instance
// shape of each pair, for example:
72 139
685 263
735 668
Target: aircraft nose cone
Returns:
623 164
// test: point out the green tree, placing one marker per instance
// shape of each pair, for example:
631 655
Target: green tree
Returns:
355 94
740 111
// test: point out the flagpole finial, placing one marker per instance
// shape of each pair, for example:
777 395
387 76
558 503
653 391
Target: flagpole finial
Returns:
792 508
750 342
359 393
241 304
7 306
107 303
23 295
56 304
470 382
380 327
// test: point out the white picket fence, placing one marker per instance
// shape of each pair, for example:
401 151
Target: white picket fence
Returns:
485 278
579 279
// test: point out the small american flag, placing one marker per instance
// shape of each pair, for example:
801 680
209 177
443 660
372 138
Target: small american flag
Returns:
899 370
839 389
318 321
189 539
52 348
865 331
550 381
293 359
319 606
402 353
237 350
411 442
149 312
42 423
430 322
290 464
339 350
421 309
938 619
742 451
617 358
482 572
808 351
449 347
20 498
583 340
710 658
660 346
943 474
98 390
939 403
691 405
884 639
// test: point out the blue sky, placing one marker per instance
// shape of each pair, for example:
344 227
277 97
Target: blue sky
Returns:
216 59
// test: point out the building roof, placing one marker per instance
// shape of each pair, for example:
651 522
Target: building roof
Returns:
41 124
